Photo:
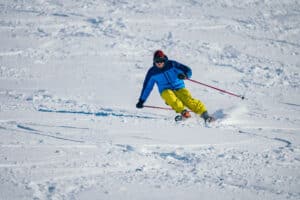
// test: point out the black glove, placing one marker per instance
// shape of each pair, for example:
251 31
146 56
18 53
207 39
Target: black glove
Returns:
182 76
140 104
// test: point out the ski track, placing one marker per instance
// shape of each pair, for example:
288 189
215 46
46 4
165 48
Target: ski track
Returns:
69 132
164 164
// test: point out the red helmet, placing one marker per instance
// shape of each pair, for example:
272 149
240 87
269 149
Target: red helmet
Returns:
158 54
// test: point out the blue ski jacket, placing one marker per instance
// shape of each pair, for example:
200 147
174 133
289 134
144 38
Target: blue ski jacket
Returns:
165 78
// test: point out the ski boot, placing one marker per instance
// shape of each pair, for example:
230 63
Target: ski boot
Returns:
184 115
207 118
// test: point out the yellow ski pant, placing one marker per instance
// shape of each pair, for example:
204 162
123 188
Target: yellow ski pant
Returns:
179 99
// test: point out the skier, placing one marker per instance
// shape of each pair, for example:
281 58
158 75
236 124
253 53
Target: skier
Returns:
169 76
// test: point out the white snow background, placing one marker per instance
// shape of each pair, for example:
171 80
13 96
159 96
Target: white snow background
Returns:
71 73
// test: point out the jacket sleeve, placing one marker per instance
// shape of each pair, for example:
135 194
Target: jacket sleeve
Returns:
185 69
147 86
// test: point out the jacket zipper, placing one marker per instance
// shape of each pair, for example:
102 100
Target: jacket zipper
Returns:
168 79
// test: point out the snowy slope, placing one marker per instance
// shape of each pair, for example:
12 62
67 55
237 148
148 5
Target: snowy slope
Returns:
71 73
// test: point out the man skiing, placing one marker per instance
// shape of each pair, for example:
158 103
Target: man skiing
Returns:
169 76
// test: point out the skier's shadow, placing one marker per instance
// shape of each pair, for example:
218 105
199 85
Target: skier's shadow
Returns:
219 114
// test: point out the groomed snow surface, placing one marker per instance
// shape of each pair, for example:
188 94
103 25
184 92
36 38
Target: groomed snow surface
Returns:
71 73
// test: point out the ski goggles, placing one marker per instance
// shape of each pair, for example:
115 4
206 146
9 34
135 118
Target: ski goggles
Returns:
160 60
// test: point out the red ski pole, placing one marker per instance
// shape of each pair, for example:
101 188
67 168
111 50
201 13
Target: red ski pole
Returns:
157 107
215 88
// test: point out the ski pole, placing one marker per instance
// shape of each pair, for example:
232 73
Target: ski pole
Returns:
157 107
162 108
221 90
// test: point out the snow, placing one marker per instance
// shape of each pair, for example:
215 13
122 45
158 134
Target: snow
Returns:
71 73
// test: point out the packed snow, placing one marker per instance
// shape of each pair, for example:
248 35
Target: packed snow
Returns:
71 73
